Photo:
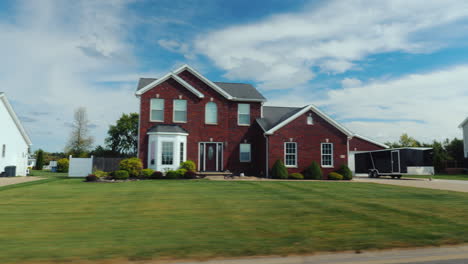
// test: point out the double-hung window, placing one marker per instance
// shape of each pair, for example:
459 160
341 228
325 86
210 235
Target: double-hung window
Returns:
327 154
290 154
180 110
211 113
157 110
245 151
167 153
243 114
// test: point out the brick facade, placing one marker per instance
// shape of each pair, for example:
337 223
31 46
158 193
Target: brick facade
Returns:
231 135
358 144
308 139
226 131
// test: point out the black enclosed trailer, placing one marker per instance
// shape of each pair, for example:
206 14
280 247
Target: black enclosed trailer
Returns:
394 162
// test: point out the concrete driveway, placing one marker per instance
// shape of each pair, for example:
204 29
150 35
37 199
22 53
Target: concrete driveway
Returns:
14 180
449 185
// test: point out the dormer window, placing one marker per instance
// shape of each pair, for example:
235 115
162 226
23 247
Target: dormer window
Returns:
310 120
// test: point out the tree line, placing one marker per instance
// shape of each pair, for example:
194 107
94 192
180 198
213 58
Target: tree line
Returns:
446 153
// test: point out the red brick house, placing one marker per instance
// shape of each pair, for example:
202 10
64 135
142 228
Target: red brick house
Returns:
225 126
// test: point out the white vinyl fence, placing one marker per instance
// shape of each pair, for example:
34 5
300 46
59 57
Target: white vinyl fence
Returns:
80 167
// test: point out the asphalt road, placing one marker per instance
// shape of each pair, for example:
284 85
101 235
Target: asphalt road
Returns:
440 255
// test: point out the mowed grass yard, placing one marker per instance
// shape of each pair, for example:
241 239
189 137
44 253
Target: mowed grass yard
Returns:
67 219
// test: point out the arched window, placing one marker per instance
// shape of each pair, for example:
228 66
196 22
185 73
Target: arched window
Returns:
211 113
310 120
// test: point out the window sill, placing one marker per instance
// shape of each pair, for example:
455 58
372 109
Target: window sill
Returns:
156 120
244 161
211 124
290 166
180 122
243 124
328 167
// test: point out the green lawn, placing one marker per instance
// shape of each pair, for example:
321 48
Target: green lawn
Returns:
463 177
64 219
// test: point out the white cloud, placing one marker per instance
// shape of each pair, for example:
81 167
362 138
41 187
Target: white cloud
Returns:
52 59
279 51
177 47
350 82
426 105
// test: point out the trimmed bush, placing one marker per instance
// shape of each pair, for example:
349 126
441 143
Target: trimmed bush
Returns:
39 159
121 175
345 172
63 165
296 176
313 172
188 165
190 175
146 173
279 171
157 175
132 165
333 176
171 174
100 174
181 173
92 178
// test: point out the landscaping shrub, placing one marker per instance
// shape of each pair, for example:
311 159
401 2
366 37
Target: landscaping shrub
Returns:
100 173
181 173
157 175
345 172
63 165
313 172
172 174
190 175
132 165
146 173
188 165
296 176
121 175
92 178
334 176
279 171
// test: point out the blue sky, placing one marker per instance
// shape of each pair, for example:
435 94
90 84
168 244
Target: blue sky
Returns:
382 68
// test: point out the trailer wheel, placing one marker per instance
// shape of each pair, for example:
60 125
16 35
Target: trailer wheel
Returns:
399 176
371 174
393 176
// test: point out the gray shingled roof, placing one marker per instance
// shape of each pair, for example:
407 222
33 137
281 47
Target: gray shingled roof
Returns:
167 129
238 90
273 115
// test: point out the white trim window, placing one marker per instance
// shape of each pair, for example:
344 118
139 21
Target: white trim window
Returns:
245 152
211 113
290 154
327 154
180 110
181 152
157 110
167 154
243 114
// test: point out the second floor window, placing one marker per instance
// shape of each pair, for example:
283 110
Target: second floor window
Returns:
211 113
243 114
157 110
180 110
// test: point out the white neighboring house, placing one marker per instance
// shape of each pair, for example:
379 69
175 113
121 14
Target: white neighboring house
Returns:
464 127
14 141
